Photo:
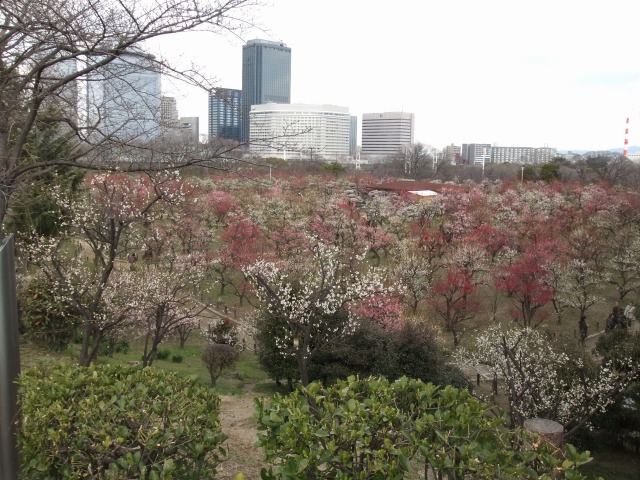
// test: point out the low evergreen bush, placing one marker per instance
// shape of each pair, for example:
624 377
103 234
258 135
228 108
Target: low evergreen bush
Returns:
376 429
113 422
163 353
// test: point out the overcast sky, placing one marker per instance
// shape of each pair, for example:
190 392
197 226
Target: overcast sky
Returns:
557 73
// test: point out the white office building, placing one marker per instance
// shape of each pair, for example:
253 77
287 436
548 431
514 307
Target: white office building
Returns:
528 155
300 131
386 133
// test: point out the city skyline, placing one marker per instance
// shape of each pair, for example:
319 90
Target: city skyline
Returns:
546 74
266 77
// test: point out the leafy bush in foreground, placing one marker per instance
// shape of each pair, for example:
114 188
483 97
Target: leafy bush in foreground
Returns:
373 429
113 422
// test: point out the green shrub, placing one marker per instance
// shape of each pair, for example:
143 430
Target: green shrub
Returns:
176 359
278 366
122 346
163 353
113 422
373 429
47 317
413 351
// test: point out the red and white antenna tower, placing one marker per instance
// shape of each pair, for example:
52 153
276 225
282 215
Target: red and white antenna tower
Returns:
625 151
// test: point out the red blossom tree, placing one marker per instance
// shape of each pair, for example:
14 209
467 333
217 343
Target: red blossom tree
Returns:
219 205
524 281
455 301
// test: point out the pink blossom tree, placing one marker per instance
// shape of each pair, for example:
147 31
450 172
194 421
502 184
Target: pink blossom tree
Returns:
241 244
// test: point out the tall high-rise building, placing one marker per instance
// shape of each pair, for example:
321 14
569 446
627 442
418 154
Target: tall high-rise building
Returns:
386 133
123 99
66 100
266 77
224 113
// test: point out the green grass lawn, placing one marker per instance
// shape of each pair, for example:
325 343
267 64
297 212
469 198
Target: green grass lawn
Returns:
614 465
245 374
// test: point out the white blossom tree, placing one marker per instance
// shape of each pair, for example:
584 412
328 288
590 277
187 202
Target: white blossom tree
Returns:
315 298
88 258
578 285
414 269
542 382
165 292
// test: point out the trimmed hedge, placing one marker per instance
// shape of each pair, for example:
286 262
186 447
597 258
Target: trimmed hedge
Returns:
113 422
372 429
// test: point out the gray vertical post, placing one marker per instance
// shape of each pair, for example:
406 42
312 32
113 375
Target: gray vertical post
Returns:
9 363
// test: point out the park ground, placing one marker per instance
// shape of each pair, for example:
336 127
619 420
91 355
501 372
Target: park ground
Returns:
239 387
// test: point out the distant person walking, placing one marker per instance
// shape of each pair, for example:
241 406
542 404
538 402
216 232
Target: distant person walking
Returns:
630 313
616 312
614 318
582 325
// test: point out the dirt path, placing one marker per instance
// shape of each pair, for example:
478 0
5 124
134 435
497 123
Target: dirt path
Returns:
238 419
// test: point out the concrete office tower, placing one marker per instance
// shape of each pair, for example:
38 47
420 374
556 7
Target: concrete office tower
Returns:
168 112
224 113
386 133
266 77
452 154
123 99
189 129
522 154
299 131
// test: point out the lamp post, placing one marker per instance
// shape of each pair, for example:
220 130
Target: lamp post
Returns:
484 155
9 364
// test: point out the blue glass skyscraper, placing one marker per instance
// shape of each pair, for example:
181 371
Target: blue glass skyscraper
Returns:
266 77
224 113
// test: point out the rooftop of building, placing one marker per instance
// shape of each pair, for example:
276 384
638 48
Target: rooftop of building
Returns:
411 186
